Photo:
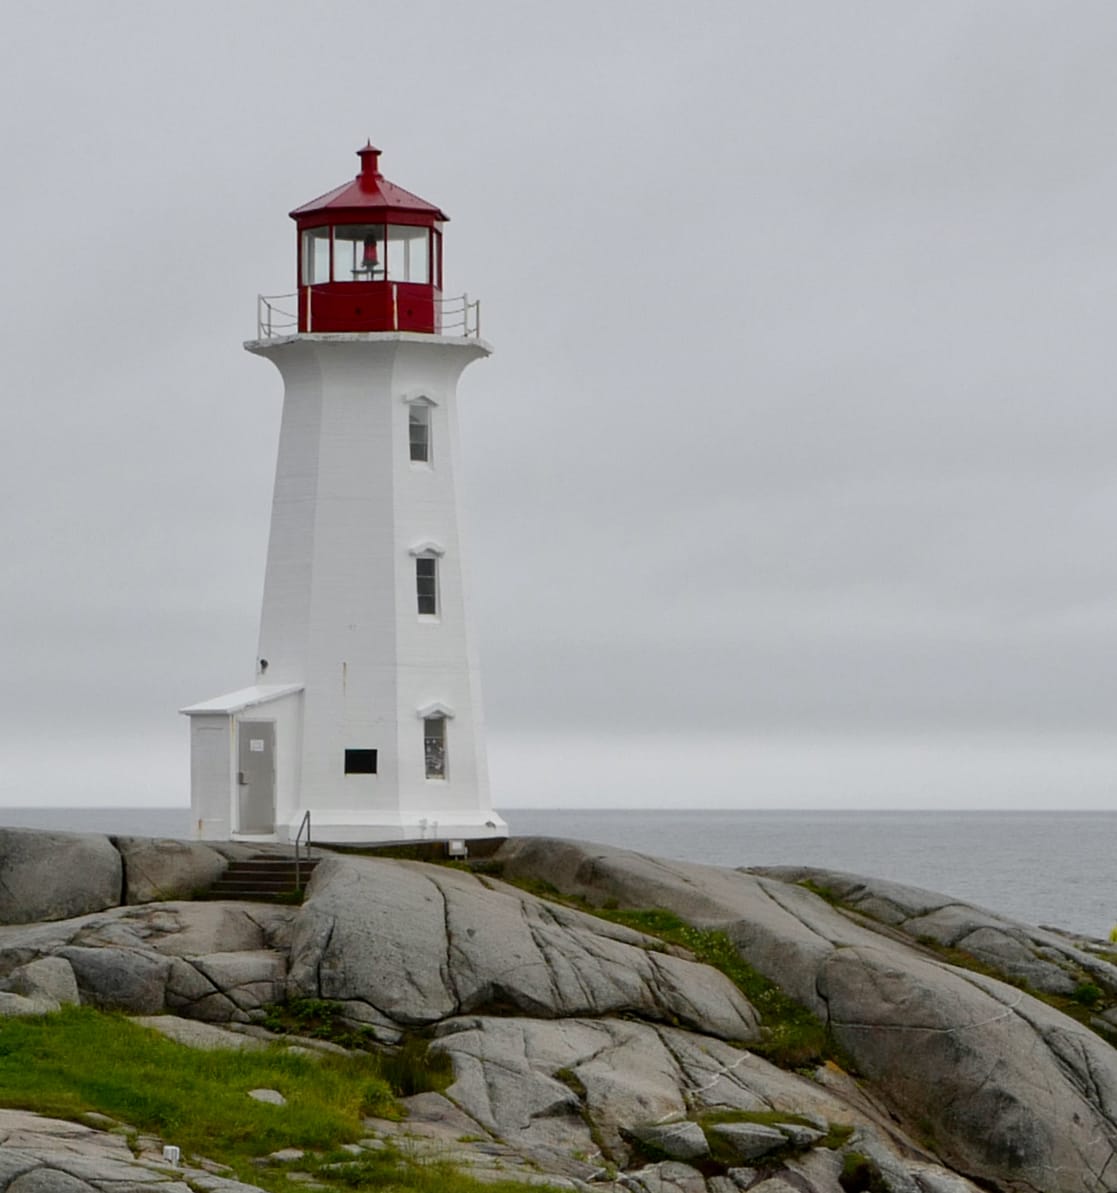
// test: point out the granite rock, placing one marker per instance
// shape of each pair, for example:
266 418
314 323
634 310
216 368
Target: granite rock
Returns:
54 876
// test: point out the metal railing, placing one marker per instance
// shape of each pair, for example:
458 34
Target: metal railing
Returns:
457 315
303 827
460 316
272 320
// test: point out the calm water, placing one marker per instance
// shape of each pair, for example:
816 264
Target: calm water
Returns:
1042 867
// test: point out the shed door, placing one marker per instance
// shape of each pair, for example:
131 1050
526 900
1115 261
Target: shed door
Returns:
256 776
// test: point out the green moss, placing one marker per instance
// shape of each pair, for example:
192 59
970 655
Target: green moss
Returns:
860 1175
767 1118
838 1135
1087 994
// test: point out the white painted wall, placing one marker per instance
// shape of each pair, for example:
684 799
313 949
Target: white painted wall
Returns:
339 613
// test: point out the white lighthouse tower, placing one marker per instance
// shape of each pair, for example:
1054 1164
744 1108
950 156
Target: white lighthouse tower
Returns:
366 708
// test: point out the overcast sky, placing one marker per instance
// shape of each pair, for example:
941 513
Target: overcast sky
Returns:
791 481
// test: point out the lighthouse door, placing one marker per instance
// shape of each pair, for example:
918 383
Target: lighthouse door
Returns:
256 777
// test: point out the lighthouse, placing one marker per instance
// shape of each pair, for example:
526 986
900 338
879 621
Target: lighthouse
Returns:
364 719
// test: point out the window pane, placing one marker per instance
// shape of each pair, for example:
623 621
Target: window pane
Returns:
426 584
316 256
408 254
360 762
359 253
434 747
419 433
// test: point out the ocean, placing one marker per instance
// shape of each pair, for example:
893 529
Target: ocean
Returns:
1054 868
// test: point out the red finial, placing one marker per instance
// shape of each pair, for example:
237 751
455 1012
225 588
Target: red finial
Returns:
370 165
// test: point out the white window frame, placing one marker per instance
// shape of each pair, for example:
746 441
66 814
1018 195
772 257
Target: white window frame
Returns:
422 399
443 714
432 551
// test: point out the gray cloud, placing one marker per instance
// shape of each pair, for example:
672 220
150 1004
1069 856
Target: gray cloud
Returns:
800 418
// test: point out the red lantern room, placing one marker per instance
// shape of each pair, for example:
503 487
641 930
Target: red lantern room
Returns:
370 257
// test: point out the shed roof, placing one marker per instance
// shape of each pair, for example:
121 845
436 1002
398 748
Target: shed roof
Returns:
233 702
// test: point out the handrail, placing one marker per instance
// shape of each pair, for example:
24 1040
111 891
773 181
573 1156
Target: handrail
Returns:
457 315
271 320
298 837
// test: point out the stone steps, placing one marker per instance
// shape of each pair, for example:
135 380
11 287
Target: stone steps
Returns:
263 878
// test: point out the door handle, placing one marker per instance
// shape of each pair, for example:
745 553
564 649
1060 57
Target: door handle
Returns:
241 780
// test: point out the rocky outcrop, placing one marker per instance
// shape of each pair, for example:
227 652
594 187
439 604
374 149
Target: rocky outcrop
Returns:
54 876
160 869
1009 1089
419 943
153 958
45 1155
50 876
1042 959
589 1050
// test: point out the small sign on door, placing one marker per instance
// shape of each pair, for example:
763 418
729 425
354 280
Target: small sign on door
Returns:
256 745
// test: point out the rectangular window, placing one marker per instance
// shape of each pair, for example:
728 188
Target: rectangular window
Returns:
360 762
419 432
434 747
426 584
316 256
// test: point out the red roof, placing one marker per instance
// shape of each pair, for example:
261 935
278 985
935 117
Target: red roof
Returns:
370 191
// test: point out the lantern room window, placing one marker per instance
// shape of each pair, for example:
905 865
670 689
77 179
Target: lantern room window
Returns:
359 253
316 256
408 254
368 253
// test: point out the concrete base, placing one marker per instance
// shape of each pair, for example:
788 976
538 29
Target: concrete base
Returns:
344 828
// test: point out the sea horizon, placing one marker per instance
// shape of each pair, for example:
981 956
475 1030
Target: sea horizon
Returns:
1051 867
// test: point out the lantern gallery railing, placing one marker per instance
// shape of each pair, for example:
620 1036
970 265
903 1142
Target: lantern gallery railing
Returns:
273 320
458 316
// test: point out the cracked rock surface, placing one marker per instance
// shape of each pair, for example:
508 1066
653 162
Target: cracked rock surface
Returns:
211 961
1009 1090
420 943
586 1054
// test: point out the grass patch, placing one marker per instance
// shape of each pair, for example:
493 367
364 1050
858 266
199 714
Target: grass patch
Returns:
413 1068
410 1068
81 1060
319 1020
